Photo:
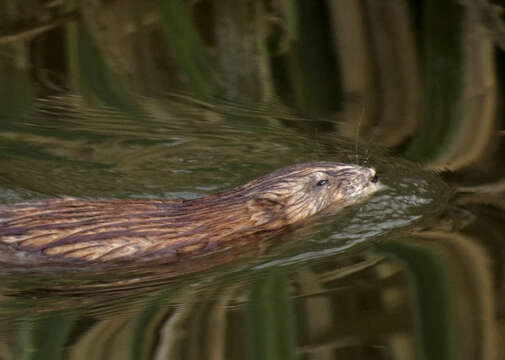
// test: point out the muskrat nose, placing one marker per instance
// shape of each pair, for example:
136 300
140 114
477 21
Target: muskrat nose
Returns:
374 178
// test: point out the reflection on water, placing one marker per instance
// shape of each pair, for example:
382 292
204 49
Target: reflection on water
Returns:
181 99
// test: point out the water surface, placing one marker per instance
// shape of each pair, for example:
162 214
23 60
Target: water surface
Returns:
183 99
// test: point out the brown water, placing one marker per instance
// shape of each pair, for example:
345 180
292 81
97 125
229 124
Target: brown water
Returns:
181 99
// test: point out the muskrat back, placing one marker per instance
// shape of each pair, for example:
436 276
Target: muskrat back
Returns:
115 230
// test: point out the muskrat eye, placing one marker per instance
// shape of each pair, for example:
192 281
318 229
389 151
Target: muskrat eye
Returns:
322 182
374 178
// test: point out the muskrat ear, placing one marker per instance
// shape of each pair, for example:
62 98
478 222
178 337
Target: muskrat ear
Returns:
264 209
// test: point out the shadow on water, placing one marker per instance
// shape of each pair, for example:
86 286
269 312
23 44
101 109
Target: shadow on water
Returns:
181 99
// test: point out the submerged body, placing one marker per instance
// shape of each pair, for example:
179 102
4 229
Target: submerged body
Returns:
117 230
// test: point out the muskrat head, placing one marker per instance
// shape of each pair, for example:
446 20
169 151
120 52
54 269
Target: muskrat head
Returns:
297 192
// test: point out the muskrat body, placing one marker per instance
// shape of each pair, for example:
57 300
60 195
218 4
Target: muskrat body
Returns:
105 231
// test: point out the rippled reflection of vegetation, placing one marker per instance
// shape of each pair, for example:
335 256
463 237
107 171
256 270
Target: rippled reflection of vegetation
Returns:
184 98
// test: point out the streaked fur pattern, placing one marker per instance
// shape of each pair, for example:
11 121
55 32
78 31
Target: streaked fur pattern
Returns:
114 230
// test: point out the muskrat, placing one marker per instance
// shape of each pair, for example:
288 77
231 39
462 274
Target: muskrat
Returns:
102 231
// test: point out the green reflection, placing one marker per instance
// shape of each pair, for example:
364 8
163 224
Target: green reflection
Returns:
185 45
271 320
441 51
433 297
45 338
92 77
16 92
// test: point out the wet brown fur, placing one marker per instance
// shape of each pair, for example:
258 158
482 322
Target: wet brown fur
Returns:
111 230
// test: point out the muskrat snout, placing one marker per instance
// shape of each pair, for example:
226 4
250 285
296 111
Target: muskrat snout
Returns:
357 184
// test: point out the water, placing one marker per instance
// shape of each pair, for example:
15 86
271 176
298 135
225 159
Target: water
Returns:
106 102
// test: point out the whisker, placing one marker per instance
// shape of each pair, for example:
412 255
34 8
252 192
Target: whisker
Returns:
370 141
356 143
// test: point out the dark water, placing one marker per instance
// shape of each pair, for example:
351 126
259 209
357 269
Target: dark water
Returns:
176 99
